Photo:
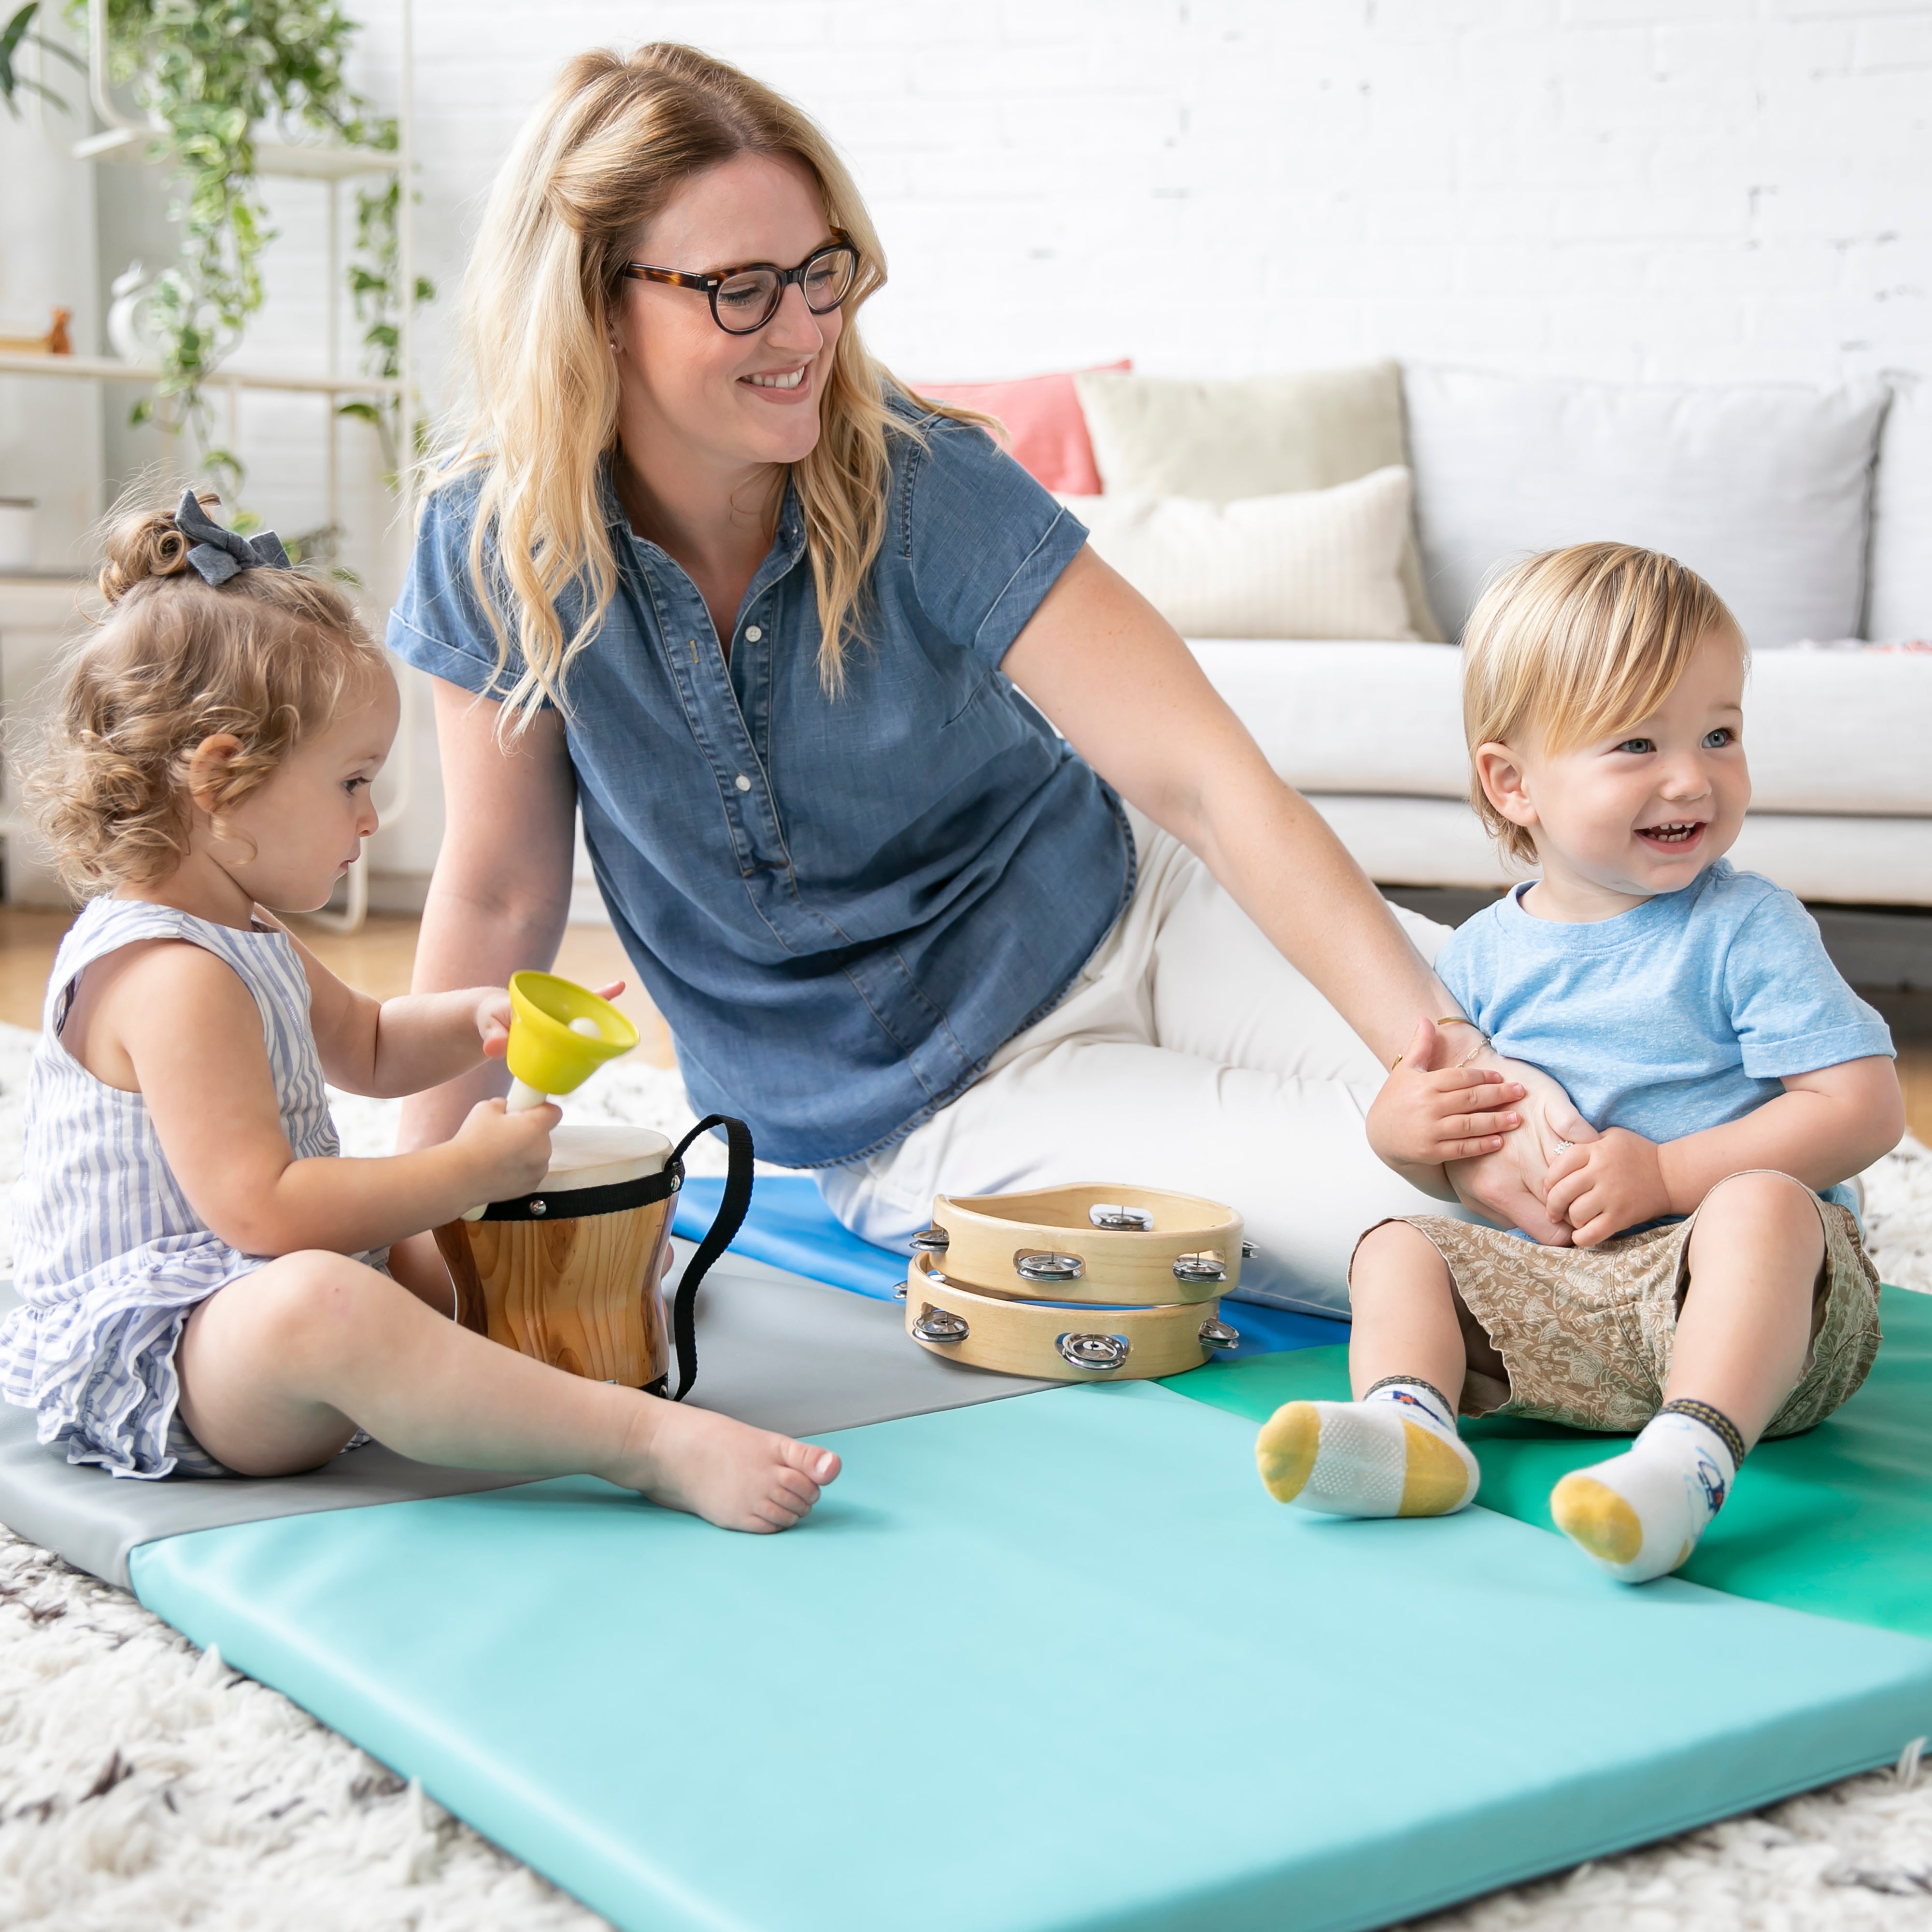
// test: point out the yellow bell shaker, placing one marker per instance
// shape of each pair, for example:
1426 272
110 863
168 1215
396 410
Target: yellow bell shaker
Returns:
560 1034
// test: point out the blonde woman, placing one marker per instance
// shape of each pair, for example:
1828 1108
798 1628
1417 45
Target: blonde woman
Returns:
790 637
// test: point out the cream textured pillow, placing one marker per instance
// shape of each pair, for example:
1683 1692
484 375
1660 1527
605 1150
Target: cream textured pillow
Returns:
1163 436
1313 563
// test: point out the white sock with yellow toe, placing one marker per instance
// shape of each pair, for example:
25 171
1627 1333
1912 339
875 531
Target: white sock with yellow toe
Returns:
1395 1452
1640 1515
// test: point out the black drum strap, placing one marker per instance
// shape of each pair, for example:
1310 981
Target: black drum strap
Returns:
723 1230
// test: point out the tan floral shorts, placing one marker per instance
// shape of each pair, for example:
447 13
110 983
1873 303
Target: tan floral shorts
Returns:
1585 1333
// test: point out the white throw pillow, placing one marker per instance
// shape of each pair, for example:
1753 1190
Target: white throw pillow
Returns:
1221 440
1763 488
1314 563
1901 566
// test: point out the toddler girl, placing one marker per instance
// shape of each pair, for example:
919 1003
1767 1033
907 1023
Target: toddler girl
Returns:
202 1275
1714 1289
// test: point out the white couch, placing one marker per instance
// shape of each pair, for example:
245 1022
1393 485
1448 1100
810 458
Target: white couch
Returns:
1811 512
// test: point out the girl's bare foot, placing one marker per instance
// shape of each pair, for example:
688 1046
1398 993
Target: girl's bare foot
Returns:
727 1472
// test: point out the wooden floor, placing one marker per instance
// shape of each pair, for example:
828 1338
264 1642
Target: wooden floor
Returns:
377 960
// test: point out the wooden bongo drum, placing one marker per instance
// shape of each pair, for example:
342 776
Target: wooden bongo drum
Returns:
568 1273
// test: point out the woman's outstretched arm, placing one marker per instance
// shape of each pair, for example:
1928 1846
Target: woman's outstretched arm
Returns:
1115 678
501 891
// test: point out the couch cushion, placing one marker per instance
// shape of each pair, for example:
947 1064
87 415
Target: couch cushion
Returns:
1900 604
1440 841
1164 435
1827 731
1045 430
1762 487
1313 563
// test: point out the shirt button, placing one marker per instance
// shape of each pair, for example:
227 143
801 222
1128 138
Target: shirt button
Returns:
741 782
752 633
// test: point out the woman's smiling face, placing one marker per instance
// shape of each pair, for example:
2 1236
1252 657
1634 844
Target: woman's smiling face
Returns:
740 400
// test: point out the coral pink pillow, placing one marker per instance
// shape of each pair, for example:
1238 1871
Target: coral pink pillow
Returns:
1045 430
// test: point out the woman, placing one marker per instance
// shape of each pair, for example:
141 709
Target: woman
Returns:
790 637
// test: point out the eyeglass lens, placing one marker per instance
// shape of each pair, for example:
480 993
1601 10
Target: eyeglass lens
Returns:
747 301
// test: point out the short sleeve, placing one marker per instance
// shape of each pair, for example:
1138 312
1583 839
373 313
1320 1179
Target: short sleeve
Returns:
1791 1010
439 624
984 542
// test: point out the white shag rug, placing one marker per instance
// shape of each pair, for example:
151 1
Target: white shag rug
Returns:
143 1783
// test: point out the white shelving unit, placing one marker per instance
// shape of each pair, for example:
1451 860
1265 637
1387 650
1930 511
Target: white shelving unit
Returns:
125 141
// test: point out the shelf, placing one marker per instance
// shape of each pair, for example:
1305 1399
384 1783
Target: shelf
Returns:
111 369
289 158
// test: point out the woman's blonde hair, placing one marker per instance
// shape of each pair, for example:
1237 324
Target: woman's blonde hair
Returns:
614 141
267 656
1574 645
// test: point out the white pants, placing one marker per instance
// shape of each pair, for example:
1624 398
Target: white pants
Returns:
1188 1054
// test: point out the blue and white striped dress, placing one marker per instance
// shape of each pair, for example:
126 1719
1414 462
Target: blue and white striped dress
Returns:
110 1257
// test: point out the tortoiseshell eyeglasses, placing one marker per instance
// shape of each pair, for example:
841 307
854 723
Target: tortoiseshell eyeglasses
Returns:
743 300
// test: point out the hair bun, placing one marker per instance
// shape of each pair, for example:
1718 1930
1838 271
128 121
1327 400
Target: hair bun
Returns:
144 544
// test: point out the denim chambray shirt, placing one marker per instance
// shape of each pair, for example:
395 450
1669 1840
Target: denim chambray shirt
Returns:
842 905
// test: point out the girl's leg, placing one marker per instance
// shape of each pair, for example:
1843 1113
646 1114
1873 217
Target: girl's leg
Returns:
278 1369
1743 1333
1393 1450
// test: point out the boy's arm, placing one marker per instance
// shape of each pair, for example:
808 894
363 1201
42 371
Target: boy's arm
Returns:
1825 1127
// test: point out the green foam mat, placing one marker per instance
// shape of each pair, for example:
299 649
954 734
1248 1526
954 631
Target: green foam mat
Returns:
1837 1521
1050 1665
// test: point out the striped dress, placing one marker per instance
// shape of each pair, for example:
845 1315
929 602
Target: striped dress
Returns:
109 1257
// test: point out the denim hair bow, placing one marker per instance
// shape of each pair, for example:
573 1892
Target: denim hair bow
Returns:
217 553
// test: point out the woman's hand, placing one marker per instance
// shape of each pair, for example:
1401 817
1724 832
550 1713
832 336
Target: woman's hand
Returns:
1426 1114
493 1017
1614 1183
1508 1186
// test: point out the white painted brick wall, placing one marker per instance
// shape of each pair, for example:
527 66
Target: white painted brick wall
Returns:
1697 189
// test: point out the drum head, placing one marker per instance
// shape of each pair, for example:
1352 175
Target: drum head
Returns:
602 1157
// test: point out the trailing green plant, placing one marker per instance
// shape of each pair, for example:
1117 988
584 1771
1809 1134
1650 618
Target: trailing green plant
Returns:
17 33
208 73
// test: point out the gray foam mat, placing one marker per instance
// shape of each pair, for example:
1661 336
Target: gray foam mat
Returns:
774 1349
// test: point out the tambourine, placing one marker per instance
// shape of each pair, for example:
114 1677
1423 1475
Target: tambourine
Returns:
1100 1242
1055 1341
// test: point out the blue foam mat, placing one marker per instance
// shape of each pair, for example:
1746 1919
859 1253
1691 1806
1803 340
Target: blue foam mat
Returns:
1050 1665
789 1226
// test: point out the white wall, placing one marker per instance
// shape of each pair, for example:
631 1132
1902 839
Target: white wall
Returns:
1704 190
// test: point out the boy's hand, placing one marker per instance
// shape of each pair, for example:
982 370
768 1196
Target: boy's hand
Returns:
493 1017
1424 1116
1613 1184
509 1153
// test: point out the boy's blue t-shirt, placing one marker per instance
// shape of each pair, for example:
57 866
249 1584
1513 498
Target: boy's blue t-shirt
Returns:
1680 1014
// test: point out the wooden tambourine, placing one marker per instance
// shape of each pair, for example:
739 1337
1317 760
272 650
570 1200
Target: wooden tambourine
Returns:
1101 1242
1057 1342
568 1273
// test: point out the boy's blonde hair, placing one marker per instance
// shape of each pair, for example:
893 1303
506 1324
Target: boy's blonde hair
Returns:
1573 644
269 656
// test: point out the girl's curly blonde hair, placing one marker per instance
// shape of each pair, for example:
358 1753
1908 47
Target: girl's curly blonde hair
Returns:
267 656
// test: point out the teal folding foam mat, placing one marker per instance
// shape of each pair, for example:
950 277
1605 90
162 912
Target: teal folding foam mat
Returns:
789 1226
1032 1666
